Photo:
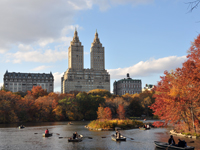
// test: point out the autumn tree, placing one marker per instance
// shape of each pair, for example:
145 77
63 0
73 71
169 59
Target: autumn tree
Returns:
8 107
88 105
37 91
100 92
177 94
100 112
107 113
121 111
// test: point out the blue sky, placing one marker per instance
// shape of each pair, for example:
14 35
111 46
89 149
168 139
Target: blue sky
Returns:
141 37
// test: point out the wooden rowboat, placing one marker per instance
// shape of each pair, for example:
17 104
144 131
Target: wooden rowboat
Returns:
47 135
164 145
21 127
145 128
79 139
114 138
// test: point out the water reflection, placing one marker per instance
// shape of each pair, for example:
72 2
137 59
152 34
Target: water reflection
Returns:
31 137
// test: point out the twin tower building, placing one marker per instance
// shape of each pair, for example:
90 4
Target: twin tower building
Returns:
76 78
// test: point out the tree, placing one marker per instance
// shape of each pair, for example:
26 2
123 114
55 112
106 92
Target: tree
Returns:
100 92
121 111
100 112
177 94
107 113
37 91
135 108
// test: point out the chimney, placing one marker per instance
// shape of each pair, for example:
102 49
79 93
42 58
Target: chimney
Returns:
128 75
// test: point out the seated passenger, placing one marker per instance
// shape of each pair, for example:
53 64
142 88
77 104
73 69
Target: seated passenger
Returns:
118 135
46 131
181 143
171 141
74 135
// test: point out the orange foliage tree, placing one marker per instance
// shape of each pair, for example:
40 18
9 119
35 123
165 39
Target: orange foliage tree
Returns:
37 91
177 94
121 111
8 107
100 112
107 113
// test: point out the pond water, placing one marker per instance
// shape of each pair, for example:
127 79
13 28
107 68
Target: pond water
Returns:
30 138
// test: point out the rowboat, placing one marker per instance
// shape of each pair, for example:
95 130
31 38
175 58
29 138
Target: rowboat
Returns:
114 138
47 135
164 145
21 127
79 139
145 128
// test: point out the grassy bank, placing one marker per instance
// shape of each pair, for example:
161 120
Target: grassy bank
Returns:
111 124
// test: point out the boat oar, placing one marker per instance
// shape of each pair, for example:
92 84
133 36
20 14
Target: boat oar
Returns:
168 147
87 137
129 137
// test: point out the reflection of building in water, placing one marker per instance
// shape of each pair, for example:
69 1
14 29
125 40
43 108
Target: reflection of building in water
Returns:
76 78
15 82
148 87
127 85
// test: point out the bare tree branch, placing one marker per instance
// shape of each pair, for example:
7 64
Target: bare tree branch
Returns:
192 5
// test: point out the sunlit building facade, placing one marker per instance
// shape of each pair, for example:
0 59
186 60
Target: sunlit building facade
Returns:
127 85
16 81
76 78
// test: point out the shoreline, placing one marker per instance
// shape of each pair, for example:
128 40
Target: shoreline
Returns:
173 132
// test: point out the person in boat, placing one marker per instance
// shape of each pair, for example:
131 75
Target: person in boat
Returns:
147 126
75 135
118 135
46 131
182 143
171 140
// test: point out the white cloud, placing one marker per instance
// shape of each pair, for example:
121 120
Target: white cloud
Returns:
149 67
37 56
1 84
24 47
42 22
41 68
57 80
26 22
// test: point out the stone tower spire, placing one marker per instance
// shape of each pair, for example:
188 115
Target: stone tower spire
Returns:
75 53
97 54
96 38
75 38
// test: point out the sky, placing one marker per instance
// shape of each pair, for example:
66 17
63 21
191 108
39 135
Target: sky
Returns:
141 37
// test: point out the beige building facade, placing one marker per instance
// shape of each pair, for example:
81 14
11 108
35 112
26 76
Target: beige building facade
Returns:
127 85
76 78
16 81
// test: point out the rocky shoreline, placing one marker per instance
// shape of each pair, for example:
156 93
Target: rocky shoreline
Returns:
173 132
110 129
100 129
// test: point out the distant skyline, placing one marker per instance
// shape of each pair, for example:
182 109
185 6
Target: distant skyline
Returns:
141 37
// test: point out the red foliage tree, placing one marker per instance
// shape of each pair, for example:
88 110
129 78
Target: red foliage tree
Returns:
121 111
107 113
177 94
37 91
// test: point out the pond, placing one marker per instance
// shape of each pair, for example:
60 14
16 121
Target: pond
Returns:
30 138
